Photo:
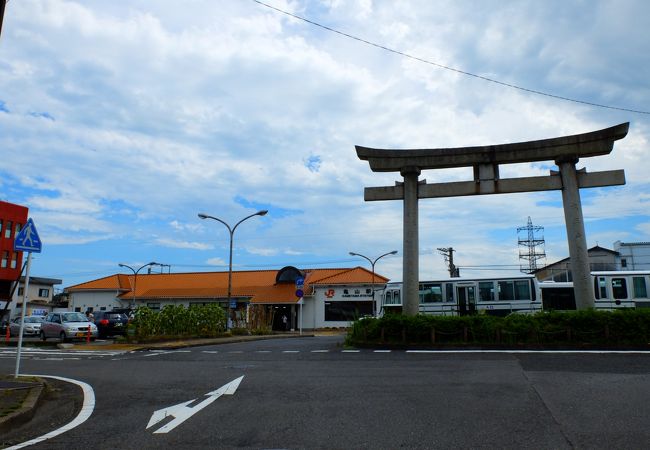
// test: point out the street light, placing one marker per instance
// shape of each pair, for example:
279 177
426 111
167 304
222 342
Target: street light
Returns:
135 276
232 232
372 264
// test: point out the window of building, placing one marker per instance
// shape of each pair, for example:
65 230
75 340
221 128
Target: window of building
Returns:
43 292
619 288
640 289
154 306
5 259
0 226
486 291
8 229
77 309
346 311
21 291
623 263
14 260
17 229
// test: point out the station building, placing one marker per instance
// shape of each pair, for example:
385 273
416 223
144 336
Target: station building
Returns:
332 298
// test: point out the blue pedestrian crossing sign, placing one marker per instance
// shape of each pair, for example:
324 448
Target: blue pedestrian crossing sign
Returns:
28 240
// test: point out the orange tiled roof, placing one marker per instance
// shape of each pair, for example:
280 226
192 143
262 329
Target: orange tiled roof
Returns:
258 285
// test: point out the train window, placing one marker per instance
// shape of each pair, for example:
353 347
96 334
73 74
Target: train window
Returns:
430 293
602 287
449 292
522 290
640 289
506 290
619 288
486 291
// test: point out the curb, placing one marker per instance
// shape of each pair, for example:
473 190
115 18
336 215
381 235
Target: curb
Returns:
26 411
173 345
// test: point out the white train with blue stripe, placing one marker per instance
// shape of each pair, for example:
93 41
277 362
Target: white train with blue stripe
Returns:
520 294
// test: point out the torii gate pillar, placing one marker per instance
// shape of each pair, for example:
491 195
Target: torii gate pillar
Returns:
575 231
411 241
565 151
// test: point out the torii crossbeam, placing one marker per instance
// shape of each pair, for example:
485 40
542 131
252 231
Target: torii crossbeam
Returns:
564 151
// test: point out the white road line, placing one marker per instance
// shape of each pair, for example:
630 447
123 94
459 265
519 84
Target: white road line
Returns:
263 351
209 351
533 352
382 351
350 351
236 351
86 411
290 351
320 351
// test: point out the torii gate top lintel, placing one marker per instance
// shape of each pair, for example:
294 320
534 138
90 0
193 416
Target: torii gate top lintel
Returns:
584 145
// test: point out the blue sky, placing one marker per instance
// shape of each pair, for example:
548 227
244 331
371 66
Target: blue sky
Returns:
121 121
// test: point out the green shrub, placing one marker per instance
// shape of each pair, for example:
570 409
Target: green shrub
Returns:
176 320
620 327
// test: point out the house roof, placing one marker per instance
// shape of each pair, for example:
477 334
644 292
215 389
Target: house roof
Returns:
595 248
260 286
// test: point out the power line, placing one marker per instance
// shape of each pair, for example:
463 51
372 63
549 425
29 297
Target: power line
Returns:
442 66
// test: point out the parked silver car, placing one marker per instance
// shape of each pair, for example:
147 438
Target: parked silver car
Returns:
32 326
67 325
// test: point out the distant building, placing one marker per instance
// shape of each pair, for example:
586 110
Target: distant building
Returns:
39 298
600 259
633 255
260 298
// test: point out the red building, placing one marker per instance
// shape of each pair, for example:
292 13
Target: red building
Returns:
12 218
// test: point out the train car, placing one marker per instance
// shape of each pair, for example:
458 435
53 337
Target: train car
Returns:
621 289
612 290
465 296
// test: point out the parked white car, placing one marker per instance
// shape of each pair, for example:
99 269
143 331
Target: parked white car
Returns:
32 326
67 325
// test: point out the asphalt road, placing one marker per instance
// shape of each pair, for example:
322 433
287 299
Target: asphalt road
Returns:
311 393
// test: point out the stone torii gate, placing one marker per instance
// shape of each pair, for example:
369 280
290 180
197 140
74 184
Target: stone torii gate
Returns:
564 151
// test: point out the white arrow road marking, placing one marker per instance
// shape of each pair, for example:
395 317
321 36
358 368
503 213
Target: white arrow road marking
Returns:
182 412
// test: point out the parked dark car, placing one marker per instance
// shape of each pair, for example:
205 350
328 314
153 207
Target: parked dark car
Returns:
110 323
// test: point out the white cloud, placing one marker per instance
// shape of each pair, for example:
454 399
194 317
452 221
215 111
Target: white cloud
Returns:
216 262
161 113
183 244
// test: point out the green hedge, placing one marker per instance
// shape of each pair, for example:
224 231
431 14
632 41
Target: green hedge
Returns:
176 320
615 328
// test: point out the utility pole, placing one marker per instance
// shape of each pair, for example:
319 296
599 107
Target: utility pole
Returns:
2 13
448 253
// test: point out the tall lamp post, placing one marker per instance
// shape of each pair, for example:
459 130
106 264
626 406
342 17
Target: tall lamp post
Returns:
135 276
372 264
232 232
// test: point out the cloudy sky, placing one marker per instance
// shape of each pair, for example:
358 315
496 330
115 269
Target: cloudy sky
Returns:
121 121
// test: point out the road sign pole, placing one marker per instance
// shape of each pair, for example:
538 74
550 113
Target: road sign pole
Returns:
22 315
